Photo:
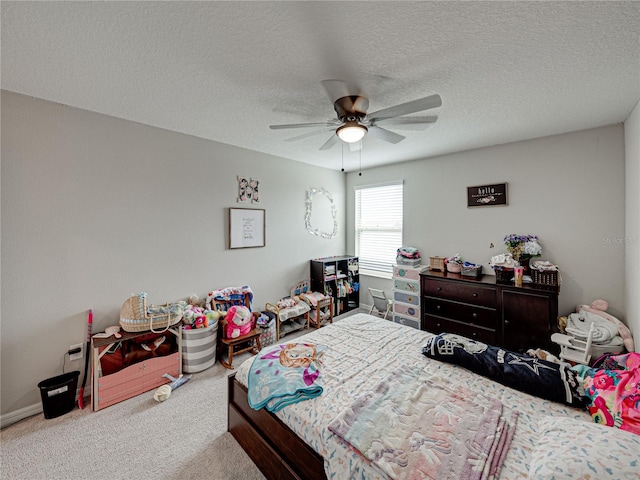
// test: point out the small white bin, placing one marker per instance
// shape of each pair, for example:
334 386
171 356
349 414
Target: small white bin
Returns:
199 348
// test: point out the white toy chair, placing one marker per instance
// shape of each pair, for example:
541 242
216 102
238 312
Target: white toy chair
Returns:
380 302
573 349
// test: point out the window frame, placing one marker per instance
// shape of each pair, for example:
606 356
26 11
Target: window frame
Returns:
378 267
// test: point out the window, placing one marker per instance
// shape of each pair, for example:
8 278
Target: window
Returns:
378 227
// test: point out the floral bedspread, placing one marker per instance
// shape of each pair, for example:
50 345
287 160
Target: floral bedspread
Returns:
363 350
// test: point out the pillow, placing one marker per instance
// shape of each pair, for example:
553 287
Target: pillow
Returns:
575 449
531 375
287 302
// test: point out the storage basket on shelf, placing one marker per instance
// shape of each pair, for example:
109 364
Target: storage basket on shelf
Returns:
135 316
503 274
436 263
453 267
409 262
545 277
471 270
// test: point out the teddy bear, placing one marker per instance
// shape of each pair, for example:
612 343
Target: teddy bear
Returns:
239 322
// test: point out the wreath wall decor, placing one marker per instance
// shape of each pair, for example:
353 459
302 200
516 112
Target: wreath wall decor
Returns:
313 192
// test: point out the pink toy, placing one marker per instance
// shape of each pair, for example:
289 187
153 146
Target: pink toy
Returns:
239 322
598 307
201 322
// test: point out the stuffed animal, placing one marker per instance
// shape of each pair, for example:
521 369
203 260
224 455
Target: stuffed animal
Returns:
191 314
599 307
201 322
239 322
543 355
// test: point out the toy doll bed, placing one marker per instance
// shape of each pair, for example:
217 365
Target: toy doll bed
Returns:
362 351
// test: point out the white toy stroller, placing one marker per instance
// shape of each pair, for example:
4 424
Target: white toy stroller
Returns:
587 336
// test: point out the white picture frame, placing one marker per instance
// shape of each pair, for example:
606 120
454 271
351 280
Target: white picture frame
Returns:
247 227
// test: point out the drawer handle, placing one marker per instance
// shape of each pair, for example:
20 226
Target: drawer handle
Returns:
439 289
438 325
475 315
475 294
438 307
506 322
474 334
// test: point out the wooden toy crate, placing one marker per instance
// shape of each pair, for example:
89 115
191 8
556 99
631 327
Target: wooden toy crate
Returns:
436 263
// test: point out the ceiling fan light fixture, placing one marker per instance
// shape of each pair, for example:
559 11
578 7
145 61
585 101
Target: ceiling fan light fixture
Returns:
351 132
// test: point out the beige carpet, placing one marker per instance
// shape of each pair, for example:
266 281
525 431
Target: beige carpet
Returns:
184 437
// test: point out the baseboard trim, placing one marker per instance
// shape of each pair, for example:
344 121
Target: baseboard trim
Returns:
20 414
13 417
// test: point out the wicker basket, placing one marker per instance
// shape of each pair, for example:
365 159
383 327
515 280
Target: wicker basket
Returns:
134 316
503 275
471 270
544 277
453 267
436 263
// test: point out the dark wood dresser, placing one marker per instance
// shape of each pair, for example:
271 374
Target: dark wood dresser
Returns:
516 318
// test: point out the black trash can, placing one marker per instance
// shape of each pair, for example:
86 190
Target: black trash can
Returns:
59 394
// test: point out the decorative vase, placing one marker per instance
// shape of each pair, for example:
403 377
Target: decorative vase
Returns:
523 261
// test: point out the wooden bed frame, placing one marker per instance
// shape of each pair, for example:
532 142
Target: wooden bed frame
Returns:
274 448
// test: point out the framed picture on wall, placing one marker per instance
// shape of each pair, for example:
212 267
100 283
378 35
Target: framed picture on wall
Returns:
487 195
246 227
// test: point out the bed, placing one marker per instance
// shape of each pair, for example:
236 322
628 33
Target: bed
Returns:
362 351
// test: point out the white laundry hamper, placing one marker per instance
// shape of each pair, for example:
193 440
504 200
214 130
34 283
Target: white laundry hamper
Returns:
199 348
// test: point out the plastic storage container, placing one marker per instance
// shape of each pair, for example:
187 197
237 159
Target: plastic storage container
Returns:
59 394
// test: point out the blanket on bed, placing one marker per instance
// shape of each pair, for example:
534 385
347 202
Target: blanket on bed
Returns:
614 392
284 374
413 427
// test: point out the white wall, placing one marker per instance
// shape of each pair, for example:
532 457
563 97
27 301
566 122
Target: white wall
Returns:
567 189
632 233
95 208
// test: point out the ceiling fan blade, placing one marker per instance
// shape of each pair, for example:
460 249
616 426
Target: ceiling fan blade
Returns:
386 121
305 135
300 125
384 134
418 105
330 143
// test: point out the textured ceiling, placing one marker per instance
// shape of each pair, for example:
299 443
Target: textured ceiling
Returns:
225 71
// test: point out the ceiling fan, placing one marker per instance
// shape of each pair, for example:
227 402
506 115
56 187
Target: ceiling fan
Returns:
353 122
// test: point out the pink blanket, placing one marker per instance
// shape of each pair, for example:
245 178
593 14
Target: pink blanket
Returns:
412 427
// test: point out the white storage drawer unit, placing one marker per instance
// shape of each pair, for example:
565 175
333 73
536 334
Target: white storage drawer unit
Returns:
406 295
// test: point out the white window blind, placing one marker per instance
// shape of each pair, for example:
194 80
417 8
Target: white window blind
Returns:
378 226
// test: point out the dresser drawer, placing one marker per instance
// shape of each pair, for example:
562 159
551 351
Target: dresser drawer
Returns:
406 285
407 272
463 312
404 297
441 325
461 292
407 310
409 322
